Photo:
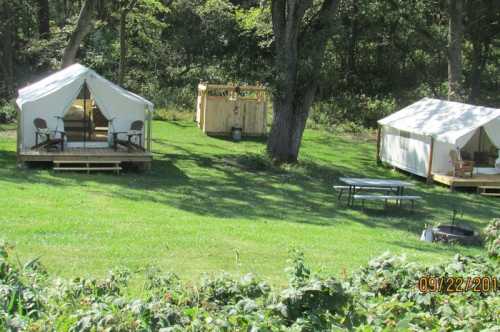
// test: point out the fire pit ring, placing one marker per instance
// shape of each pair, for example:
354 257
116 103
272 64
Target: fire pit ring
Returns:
455 233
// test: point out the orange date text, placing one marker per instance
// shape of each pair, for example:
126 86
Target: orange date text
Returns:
449 284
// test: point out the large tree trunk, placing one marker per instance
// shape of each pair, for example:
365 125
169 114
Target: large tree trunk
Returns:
83 27
7 39
455 38
123 40
123 47
482 15
352 41
297 71
43 19
478 63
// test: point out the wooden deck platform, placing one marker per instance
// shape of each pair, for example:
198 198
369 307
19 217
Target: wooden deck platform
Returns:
83 154
470 182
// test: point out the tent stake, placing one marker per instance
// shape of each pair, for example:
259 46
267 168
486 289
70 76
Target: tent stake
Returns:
429 170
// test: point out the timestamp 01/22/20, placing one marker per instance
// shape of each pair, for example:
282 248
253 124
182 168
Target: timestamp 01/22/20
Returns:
451 284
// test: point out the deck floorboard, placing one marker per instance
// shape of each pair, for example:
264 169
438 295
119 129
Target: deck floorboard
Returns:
471 182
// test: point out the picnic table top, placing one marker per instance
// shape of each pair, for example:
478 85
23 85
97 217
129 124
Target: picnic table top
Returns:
367 182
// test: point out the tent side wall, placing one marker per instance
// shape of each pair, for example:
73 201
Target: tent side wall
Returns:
409 152
441 162
49 108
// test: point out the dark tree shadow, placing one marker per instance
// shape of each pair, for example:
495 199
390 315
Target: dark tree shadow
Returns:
221 186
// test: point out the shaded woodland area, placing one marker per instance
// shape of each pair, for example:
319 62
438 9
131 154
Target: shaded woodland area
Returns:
352 60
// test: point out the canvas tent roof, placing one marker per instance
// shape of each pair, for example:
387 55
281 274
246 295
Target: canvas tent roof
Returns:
446 121
65 77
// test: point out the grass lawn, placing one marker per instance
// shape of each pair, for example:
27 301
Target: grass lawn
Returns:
199 210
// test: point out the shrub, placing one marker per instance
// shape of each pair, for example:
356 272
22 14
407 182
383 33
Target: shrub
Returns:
7 112
164 114
383 296
351 113
492 238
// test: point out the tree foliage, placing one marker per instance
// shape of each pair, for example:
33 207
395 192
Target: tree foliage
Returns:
378 52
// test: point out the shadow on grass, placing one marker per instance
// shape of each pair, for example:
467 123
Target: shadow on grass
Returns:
218 186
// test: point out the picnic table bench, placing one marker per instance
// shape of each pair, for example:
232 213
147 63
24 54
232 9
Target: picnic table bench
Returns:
386 198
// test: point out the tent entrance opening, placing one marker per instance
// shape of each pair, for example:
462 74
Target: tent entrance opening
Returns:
480 149
84 121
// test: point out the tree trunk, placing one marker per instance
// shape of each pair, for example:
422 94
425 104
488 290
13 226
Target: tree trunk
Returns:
83 27
481 28
123 40
297 72
43 19
7 48
478 62
455 38
290 116
353 40
123 47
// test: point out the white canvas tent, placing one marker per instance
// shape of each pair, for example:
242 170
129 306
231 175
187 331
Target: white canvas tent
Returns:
408 137
52 97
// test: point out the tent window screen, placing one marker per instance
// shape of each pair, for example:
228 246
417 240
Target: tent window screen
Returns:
404 139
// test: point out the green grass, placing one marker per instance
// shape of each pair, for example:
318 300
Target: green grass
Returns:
199 210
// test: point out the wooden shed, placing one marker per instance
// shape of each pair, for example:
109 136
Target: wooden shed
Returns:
223 107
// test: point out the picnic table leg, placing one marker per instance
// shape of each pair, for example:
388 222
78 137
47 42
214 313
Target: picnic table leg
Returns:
349 195
353 192
350 198
339 197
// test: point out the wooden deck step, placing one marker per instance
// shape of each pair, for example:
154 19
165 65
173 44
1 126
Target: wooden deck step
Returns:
490 194
87 165
97 161
489 190
87 168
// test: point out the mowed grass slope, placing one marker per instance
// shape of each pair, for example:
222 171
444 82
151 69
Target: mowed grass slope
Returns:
209 205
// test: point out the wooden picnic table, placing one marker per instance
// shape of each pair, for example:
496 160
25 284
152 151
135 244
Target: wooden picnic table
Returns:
359 183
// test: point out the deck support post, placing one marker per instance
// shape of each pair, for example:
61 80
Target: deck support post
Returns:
150 115
378 145
429 167
19 137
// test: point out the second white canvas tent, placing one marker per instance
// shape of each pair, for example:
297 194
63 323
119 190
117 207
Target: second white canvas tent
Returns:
406 136
51 97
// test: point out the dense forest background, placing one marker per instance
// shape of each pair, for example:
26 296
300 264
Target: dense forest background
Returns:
382 54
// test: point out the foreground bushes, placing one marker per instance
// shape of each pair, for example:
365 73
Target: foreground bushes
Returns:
381 296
